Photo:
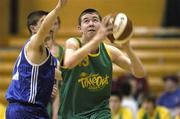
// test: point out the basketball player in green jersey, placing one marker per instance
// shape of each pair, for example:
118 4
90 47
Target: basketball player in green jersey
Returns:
87 69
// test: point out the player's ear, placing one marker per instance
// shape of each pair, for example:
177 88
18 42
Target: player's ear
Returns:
79 28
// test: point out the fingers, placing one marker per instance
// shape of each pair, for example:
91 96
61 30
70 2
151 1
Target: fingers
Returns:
54 91
109 29
61 3
107 23
107 20
106 27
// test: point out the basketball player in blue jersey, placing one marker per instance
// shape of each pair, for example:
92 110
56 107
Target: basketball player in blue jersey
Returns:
34 70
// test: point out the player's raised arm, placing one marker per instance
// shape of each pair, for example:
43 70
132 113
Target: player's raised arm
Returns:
45 27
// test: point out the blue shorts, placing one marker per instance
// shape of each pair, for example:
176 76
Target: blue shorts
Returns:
25 111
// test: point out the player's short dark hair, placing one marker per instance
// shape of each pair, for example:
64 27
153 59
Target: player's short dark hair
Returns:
88 11
34 17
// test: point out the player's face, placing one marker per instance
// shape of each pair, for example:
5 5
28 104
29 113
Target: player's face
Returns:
90 23
56 26
39 23
169 85
48 42
51 37
114 103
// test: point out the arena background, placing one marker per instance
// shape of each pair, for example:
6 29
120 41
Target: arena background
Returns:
155 45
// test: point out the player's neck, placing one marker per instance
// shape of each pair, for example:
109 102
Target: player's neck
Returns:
84 40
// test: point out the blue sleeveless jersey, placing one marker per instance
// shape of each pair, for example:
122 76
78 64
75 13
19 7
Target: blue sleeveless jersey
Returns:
32 83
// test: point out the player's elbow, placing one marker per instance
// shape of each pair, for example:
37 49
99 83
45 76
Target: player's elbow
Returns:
69 64
140 74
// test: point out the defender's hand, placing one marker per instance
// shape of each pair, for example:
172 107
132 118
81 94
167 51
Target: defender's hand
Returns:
54 91
61 3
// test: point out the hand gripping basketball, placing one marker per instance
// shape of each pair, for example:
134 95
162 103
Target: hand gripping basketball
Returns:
122 28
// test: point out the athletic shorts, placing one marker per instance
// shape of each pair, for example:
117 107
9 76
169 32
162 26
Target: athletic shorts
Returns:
25 111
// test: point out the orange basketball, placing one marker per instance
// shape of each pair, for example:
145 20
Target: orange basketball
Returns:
122 28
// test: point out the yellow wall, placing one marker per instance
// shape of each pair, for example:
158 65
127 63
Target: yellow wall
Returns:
4 20
142 12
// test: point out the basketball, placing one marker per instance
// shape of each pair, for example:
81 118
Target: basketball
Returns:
122 28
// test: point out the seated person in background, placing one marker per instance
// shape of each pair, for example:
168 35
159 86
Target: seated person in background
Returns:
177 112
170 98
2 111
149 109
139 85
118 112
128 99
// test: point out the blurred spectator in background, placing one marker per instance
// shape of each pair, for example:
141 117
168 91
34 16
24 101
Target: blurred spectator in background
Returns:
149 109
128 99
178 74
177 112
118 111
2 111
139 85
170 98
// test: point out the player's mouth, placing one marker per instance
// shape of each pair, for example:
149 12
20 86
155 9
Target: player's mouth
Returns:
91 30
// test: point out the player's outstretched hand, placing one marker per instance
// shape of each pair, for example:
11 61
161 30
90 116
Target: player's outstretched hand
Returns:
61 3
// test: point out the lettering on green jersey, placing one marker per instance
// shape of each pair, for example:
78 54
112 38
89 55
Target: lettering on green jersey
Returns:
84 62
93 82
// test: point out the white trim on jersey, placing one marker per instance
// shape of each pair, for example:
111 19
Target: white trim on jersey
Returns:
16 75
33 64
33 86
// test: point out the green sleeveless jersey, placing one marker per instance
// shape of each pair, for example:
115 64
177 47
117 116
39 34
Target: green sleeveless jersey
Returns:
86 88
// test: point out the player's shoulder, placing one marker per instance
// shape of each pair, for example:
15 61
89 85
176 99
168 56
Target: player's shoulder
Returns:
75 42
72 40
